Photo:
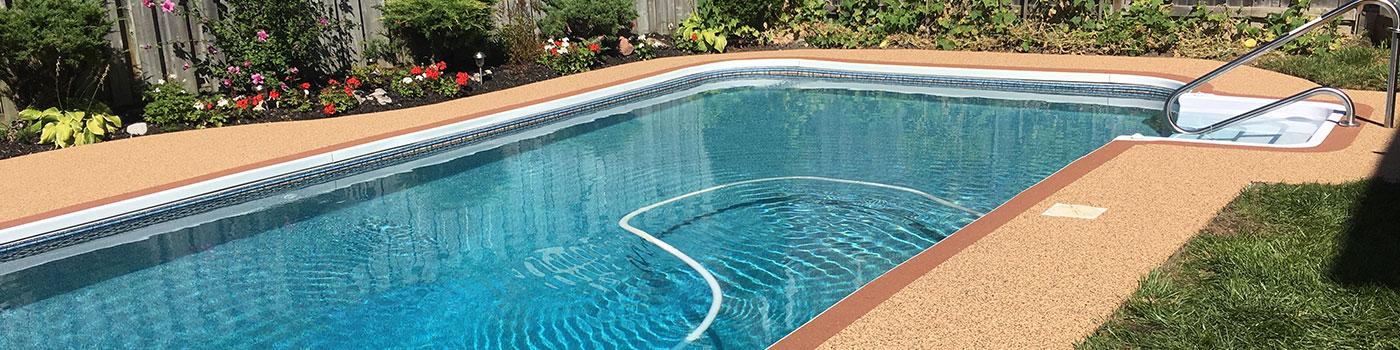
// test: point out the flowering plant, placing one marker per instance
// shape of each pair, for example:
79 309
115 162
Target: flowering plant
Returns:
337 97
644 48
169 105
566 58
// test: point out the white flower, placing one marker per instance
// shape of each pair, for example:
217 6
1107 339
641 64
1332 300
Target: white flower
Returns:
566 40
642 38
420 77
407 80
258 88
173 77
548 46
198 106
563 51
223 102
158 89
159 82
566 44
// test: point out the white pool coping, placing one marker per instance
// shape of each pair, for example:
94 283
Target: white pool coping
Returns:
1193 104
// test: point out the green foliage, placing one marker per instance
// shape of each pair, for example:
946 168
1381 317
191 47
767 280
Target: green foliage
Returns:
1356 65
169 105
567 58
68 128
696 34
1279 24
53 53
260 40
1145 26
336 98
643 47
408 86
440 29
748 13
587 18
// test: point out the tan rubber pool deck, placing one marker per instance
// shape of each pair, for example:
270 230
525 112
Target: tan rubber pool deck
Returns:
1026 281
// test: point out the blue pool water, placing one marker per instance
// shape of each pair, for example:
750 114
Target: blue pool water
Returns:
519 247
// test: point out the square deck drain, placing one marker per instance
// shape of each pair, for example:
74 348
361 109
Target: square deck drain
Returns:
1074 211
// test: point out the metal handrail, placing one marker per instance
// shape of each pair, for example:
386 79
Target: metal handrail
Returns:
1349 119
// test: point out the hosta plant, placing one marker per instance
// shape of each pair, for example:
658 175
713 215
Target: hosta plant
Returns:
68 128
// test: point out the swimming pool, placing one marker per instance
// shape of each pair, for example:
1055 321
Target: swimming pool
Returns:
512 240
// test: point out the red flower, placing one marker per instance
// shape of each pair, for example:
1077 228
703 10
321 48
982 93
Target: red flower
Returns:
257 99
463 78
333 82
593 47
242 103
273 95
694 37
329 110
209 105
433 74
349 91
554 51
416 70
305 86
353 83
442 65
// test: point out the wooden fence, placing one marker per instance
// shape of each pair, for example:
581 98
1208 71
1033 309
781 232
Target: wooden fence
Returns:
155 45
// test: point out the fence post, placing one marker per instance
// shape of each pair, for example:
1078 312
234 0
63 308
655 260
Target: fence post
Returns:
8 110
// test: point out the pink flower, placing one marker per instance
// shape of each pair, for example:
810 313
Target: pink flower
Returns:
228 82
247 63
148 3
186 66
168 6
233 70
262 35
323 21
257 78
294 70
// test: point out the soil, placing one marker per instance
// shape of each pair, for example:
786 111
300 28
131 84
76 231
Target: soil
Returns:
502 77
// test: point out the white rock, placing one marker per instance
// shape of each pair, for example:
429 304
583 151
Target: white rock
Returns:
137 129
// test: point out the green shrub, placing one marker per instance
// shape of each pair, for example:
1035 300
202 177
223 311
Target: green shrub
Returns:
262 40
440 29
587 18
1145 26
751 13
53 53
68 128
1279 24
567 58
169 105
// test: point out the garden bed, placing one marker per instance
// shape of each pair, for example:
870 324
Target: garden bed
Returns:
502 77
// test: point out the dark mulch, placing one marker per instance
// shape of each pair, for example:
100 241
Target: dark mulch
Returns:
502 77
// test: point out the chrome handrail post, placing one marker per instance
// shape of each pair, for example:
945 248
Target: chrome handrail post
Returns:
1394 67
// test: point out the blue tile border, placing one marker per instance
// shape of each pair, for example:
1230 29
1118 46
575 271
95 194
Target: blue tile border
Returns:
243 193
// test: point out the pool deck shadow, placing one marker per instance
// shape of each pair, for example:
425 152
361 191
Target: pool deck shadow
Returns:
1017 280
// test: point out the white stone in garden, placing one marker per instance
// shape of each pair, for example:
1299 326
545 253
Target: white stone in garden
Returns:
381 97
137 129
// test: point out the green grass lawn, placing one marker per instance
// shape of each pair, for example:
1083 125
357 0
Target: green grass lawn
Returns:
1354 66
1282 267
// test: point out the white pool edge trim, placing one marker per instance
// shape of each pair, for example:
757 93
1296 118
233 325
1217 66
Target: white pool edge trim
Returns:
58 222
716 294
